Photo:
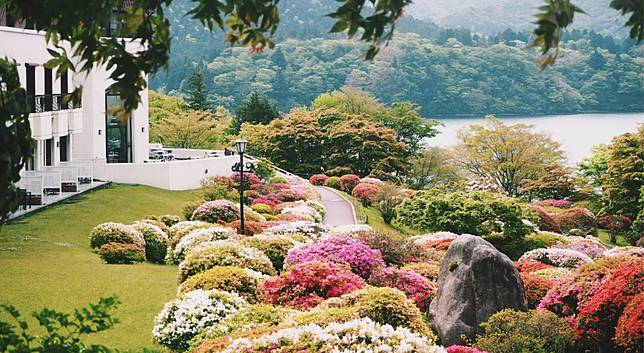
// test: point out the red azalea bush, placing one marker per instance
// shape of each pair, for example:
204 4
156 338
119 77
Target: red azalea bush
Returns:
629 333
121 253
598 317
462 349
440 245
365 193
577 218
318 179
250 227
416 287
535 288
289 195
545 221
307 284
530 266
349 181
269 199
616 223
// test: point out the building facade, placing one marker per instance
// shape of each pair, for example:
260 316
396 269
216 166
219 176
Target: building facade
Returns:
65 132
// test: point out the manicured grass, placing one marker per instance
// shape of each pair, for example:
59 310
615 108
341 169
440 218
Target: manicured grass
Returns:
604 235
46 262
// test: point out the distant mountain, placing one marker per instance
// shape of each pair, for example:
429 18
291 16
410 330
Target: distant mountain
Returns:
490 16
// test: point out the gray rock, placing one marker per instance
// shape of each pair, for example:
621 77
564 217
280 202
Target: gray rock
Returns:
475 281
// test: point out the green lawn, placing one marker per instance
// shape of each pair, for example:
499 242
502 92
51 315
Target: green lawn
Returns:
46 261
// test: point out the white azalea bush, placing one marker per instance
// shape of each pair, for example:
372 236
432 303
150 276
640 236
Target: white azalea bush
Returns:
557 257
437 236
360 335
223 253
302 209
198 236
624 251
112 232
300 230
183 318
350 229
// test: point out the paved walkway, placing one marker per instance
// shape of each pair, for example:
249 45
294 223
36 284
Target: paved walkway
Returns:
339 211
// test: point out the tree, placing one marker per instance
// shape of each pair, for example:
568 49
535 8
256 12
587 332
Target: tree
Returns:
348 101
411 128
595 166
506 154
192 129
434 167
196 96
624 178
365 146
556 182
255 109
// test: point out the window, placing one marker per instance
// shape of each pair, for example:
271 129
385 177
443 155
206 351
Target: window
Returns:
118 135
49 152
64 148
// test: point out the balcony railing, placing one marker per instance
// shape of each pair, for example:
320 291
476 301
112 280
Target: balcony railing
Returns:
50 103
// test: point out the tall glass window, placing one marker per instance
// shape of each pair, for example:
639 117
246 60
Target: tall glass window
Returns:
118 135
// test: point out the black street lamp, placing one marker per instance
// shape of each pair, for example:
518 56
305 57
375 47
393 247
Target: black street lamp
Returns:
239 168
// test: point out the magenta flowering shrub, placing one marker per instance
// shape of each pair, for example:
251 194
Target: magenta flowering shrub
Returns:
268 199
555 203
462 349
289 195
363 260
349 181
217 211
365 192
307 284
249 178
416 287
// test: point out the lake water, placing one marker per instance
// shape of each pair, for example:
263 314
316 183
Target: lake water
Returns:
576 133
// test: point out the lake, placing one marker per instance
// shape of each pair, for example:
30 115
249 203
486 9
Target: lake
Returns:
576 133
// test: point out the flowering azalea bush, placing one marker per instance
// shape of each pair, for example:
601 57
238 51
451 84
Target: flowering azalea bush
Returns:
268 199
305 229
156 241
289 195
527 266
275 246
462 349
217 211
365 192
629 333
333 182
362 260
250 227
307 284
555 203
262 208
618 223
242 281
120 253
301 209
198 236
360 335
416 287
223 253
351 229
183 318
577 218
318 179
432 237
592 247
624 251
393 247
250 179
535 288
111 232
349 181
544 220
556 257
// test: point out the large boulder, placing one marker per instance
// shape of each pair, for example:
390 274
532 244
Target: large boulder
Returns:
475 281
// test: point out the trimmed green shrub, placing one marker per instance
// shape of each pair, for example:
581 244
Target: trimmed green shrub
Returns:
386 306
276 247
111 232
156 241
159 224
262 208
278 180
189 208
478 213
227 278
333 182
223 253
514 248
168 219
120 253
535 331
218 188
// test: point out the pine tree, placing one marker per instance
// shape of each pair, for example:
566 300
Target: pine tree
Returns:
196 97
255 109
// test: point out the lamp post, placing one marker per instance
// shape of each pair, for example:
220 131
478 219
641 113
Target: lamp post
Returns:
239 168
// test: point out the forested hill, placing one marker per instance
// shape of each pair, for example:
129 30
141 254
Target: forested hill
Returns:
446 71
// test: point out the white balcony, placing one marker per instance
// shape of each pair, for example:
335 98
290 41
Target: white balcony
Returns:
75 120
60 123
41 125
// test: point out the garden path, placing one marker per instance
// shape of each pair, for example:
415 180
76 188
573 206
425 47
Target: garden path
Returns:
339 210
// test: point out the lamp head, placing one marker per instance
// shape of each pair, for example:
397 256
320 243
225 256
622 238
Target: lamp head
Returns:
241 145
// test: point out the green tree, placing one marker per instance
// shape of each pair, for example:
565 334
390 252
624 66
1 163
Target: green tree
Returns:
196 95
595 166
433 168
348 101
624 177
556 182
410 127
506 154
255 109
192 129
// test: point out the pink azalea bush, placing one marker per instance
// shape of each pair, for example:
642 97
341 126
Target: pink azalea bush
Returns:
318 179
591 247
349 181
249 178
555 203
307 284
217 211
416 287
362 260
365 193
462 349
